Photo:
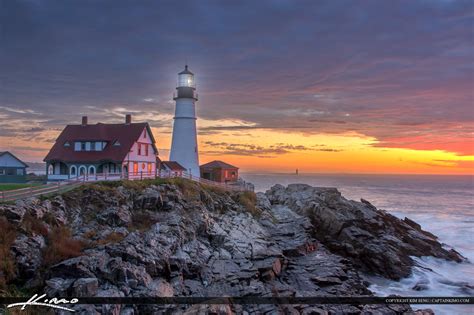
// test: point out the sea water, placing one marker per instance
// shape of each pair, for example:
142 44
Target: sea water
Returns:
442 205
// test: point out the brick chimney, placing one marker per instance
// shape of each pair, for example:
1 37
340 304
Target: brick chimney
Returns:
84 120
128 119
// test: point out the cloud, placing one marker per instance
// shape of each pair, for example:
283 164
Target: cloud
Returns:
225 148
387 70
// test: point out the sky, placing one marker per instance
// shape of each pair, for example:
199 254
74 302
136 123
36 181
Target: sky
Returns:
323 86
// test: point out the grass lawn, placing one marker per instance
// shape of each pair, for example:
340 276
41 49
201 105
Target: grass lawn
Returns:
11 186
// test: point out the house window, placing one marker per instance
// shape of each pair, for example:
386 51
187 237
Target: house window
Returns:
139 149
77 146
98 146
226 173
135 168
144 134
67 144
2 172
146 149
92 144
20 171
116 143
83 146
150 166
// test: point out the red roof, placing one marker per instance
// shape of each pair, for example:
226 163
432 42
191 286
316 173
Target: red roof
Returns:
125 134
172 165
218 164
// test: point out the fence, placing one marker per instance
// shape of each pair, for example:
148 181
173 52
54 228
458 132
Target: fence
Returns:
70 183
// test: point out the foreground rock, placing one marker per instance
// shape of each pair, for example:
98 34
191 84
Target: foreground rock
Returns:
182 240
373 239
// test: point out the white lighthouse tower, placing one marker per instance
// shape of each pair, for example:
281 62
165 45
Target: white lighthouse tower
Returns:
184 148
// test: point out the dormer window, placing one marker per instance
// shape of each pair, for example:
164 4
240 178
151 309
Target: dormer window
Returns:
116 143
89 145
67 144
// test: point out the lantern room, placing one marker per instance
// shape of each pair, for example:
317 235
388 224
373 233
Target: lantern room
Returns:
186 78
186 86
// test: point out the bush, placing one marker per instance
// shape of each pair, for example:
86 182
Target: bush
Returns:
61 246
113 237
7 262
33 225
248 199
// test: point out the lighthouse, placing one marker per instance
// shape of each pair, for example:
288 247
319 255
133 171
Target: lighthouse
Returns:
184 148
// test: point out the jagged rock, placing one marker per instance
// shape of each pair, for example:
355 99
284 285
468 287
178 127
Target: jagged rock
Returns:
150 199
13 213
262 202
314 311
426 311
112 309
58 286
127 311
322 281
205 243
27 253
378 241
160 287
85 287
115 216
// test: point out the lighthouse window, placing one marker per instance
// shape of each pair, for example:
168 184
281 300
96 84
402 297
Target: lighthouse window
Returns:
186 80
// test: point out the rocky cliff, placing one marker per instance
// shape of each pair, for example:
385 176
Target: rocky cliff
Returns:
177 238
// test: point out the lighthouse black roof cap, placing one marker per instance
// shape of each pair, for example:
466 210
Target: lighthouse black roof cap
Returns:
186 71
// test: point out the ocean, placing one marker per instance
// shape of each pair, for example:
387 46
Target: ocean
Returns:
443 205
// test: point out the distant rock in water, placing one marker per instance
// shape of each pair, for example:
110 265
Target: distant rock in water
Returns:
374 239
178 238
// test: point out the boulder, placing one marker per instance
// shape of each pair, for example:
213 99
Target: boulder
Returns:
149 199
370 237
13 213
115 216
27 253
58 287
85 287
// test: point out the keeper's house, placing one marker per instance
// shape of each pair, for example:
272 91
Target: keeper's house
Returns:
12 169
88 151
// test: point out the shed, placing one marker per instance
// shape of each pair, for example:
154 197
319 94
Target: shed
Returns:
219 171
